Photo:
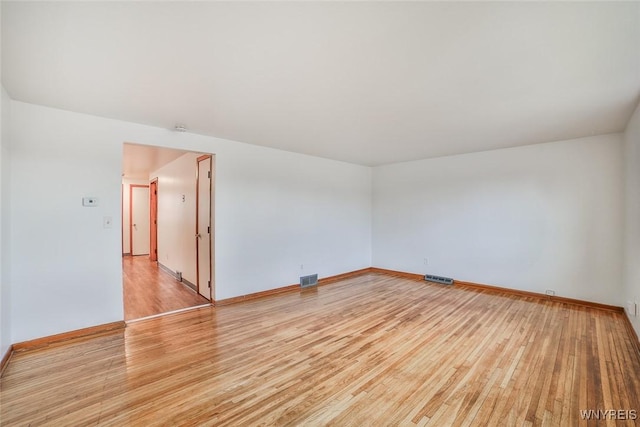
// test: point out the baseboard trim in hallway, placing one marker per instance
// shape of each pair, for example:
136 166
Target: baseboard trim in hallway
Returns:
182 280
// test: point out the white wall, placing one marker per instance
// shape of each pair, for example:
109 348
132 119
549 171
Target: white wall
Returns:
177 218
274 210
540 217
5 306
66 268
4 336
632 218
5 291
284 211
126 208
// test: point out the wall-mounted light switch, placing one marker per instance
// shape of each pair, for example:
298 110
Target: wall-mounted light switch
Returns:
90 202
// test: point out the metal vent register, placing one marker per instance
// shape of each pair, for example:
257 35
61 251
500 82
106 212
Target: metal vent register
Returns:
438 279
307 281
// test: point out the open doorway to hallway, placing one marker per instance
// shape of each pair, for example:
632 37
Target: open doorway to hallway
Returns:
167 230
150 290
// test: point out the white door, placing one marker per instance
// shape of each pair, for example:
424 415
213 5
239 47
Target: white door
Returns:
140 220
203 226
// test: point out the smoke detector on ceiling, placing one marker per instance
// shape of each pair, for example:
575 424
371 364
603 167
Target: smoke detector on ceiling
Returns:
180 128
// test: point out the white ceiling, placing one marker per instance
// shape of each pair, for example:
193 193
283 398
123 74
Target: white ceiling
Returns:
363 82
138 161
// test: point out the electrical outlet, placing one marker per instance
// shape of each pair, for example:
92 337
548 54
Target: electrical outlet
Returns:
550 292
426 261
631 308
301 266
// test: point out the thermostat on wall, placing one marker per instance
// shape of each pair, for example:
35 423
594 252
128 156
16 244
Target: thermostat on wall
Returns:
90 201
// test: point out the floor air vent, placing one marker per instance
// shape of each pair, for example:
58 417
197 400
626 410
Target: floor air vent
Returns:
438 279
307 281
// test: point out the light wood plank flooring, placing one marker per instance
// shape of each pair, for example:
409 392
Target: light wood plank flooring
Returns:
373 350
149 290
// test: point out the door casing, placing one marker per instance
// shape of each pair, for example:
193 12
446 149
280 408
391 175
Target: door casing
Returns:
153 220
204 227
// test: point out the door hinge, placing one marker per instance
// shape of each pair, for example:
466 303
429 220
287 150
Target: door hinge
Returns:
209 230
209 174
209 284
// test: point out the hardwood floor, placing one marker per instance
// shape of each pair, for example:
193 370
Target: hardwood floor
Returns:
370 350
149 290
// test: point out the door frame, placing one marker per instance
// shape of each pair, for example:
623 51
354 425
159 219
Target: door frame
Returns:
131 187
122 249
198 160
153 219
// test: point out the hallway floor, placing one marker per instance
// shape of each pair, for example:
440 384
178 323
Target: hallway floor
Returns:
149 290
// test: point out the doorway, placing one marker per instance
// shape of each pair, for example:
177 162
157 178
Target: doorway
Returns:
173 271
